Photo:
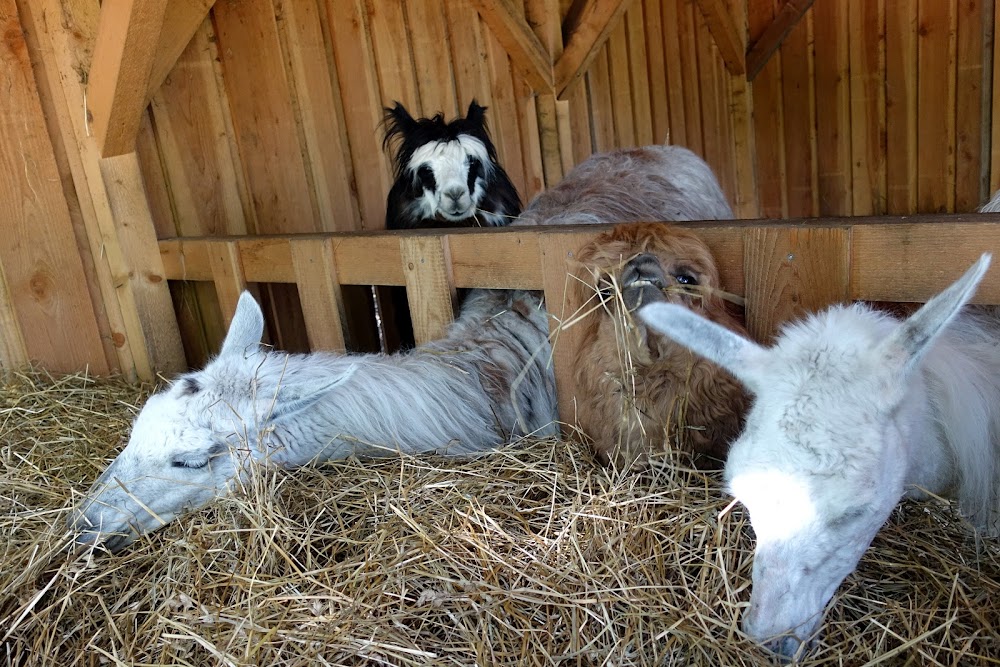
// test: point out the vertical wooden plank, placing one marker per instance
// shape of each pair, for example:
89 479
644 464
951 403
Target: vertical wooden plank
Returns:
657 67
430 288
431 57
688 55
531 147
833 107
792 271
901 106
621 87
144 287
675 80
768 123
549 139
320 293
713 121
65 32
362 107
741 112
642 108
197 158
260 99
935 101
579 119
504 114
866 21
320 110
798 111
468 56
969 124
39 256
995 113
13 351
601 108
724 111
228 276
393 57
558 250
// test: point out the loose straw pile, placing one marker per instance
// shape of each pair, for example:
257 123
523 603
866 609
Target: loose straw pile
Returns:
533 555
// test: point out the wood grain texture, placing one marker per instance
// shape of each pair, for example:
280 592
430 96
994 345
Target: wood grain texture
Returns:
118 78
587 34
866 24
833 108
901 106
322 299
431 58
768 122
557 253
675 81
226 269
799 114
642 106
971 188
430 288
935 120
774 34
181 20
727 38
527 53
39 256
144 286
789 272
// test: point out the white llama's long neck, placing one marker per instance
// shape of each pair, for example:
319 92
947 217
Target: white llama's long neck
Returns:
488 380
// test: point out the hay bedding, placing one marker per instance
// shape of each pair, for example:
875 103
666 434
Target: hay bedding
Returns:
534 555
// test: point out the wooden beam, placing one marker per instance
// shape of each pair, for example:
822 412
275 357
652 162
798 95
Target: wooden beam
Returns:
590 30
180 23
117 84
730 42
527 54
772 37
152 326
430 287
315 264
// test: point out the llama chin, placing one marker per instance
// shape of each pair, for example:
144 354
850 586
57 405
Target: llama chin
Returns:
446 174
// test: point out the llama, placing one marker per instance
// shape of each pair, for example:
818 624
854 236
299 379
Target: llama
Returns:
446 174
637 390
487 382
854 411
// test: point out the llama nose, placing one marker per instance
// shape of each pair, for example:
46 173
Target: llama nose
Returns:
455 194
642 281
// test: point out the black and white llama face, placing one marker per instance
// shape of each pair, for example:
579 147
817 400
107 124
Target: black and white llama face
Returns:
446 173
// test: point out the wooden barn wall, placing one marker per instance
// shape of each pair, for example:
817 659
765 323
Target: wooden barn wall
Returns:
269 124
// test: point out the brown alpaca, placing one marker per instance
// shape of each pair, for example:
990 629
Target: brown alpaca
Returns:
639 391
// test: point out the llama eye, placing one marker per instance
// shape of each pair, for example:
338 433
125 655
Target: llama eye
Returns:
426 177
191 464
685 279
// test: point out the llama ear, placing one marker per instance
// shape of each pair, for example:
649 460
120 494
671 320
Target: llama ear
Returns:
738 355
906 346
476 114
246 330
397 120
293 398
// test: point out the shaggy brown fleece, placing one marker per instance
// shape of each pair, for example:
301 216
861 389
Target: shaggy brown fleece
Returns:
638 390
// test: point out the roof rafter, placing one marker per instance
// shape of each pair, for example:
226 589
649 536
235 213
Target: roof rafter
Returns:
591 29
770 40
730 42
526 51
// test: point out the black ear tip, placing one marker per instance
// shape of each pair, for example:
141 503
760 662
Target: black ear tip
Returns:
475 109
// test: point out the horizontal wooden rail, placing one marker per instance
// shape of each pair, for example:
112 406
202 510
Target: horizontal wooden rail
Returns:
782 268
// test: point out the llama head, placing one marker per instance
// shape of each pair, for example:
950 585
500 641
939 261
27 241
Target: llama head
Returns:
444 171
636 264
823 458
192 440
629 378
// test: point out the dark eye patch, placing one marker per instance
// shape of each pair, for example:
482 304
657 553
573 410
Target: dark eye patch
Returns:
475 171
426 177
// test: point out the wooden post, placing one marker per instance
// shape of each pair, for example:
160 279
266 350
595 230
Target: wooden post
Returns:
430 287
156 340
558 253
228 276
320 293
789 271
